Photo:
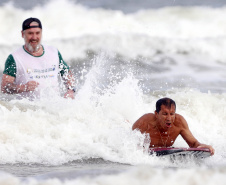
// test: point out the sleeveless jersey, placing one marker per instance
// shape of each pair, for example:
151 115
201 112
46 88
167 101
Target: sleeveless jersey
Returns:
43 69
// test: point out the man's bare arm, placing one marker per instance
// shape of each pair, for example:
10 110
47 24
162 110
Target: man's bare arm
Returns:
190 139
70 84
8 85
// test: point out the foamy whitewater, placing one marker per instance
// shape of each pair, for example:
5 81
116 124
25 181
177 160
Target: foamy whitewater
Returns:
123 63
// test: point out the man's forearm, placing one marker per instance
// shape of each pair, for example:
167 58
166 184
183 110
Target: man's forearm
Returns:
70 81
12 88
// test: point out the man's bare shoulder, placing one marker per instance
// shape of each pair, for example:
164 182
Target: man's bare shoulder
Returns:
149 117
180 121
143 122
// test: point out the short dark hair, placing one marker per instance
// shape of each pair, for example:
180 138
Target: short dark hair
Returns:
164 101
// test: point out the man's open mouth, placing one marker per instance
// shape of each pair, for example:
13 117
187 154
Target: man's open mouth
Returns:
168 124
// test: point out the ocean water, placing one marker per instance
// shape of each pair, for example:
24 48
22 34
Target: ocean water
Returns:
124 60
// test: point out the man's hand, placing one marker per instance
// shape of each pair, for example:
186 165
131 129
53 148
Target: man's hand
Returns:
69 94
212 151
30 86
8 85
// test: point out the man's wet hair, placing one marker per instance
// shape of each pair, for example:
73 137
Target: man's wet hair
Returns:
164 101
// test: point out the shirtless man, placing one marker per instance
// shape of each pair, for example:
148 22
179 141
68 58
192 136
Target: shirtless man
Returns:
165 125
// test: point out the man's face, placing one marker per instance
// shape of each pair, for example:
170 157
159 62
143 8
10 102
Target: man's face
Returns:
166 116
32 37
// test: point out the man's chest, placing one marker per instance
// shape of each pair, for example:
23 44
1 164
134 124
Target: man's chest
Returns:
166 139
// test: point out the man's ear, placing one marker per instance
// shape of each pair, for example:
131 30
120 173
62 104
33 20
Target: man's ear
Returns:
22 34
156 114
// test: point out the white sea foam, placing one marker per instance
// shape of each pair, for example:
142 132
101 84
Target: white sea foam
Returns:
140 175
74 29
186 43
97 124
169 49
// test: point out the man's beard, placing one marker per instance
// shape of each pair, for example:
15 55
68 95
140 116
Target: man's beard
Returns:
31 49
29 46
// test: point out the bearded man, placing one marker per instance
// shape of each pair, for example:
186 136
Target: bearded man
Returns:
34 67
